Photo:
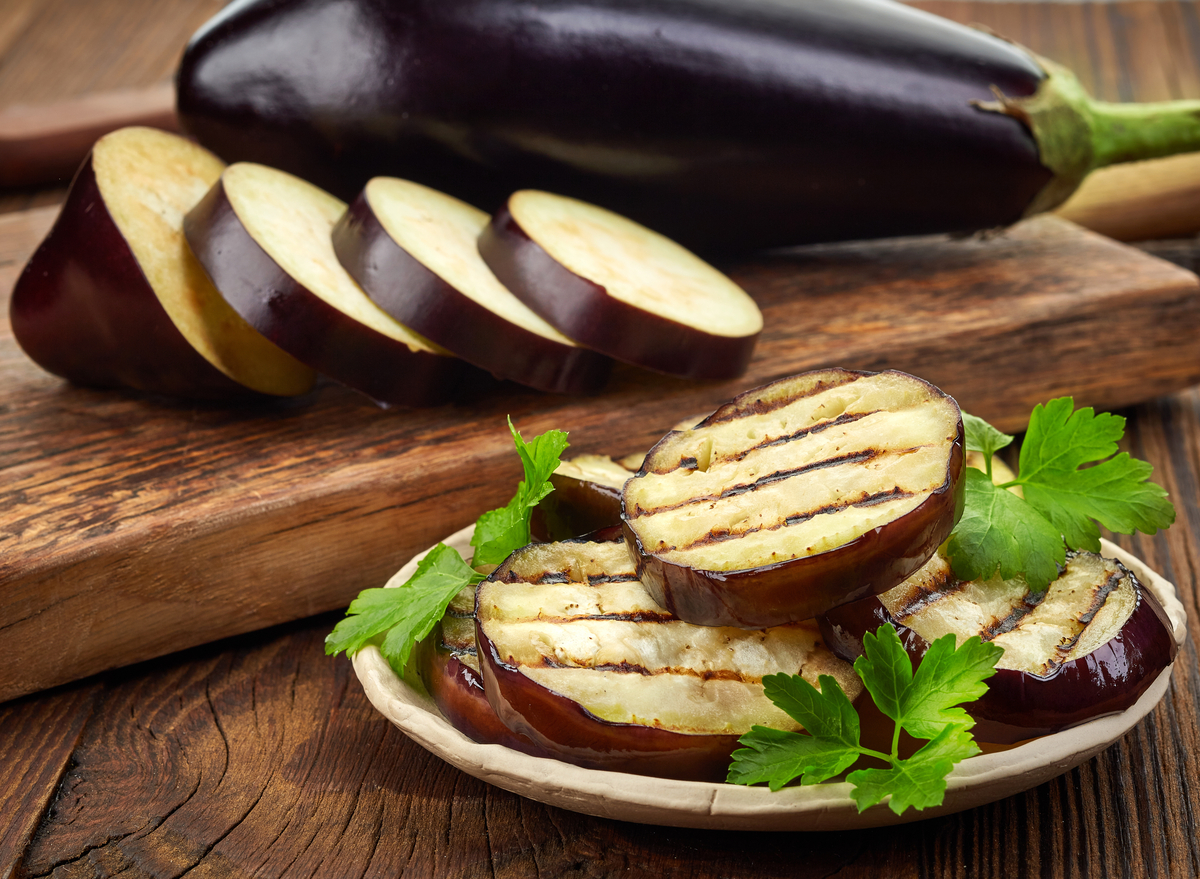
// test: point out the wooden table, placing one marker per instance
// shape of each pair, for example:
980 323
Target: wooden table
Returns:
260 756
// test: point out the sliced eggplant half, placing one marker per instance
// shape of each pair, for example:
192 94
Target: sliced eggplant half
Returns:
263 237
577 656
796 497
113 296
620 288
1089 645
413 249
449 667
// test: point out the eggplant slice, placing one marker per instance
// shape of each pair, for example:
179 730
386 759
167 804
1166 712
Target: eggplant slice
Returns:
621 288
577 656
1088 645
796 497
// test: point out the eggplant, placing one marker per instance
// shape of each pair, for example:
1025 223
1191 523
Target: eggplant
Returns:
578 657
586 497
810 492
1089 645
725 125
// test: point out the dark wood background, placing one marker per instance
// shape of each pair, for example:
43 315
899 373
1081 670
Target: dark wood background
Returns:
258 756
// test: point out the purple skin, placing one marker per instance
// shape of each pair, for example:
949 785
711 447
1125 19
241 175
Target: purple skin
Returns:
83 309
582 310
575 507
803 588
458 693
303 324
1019 705
727 127
418 298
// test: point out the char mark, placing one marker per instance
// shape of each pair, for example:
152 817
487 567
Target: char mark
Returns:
711 674
762 407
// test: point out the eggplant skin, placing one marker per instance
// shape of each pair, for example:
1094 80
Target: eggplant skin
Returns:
728 126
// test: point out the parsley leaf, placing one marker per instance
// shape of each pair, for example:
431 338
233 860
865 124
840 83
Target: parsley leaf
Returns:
409 612
923 703
499 532
1000 531
1064 499
919 781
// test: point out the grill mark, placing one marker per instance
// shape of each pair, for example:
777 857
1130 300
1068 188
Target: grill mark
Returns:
594 579
1006 624
721 536
718 674
921 597
762 407
844 418
554 578
624 616
1099 597
778 476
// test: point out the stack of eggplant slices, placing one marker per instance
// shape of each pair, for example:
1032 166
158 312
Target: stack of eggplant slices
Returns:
171 273
768 538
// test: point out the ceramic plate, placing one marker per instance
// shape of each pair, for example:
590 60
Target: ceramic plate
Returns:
975 781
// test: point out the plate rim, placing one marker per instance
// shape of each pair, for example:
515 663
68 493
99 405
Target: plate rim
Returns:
975 781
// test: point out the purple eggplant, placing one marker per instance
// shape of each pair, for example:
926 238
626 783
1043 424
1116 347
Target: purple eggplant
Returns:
724 125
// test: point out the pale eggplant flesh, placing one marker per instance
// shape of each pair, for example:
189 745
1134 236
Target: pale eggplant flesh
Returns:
1087 646
813 491
577 656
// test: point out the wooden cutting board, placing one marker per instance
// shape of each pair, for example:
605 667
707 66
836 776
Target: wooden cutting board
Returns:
132 527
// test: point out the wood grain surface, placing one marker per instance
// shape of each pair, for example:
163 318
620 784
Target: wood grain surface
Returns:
257 756
137 526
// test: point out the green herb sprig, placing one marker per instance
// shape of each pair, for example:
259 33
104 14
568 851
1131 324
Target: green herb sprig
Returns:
923 704
409 612
1063 498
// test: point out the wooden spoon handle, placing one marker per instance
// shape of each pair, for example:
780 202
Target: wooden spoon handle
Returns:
45 143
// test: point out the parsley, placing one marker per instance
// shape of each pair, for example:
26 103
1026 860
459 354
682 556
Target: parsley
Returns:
1063 499
923 704
409 612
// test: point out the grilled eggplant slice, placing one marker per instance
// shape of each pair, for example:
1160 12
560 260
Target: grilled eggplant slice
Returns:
449 667
1087 646
414 251
576 655
263 237
620 288
796 497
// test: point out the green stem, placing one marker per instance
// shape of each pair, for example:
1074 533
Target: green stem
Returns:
1133 132
1077 134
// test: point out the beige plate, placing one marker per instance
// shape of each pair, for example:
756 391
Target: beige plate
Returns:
978 780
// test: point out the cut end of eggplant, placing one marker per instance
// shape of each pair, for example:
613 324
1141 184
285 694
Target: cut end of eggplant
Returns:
578 656
264 237
413 249
793 498
115 296
621 288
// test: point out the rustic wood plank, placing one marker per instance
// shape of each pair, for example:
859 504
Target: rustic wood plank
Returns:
137 526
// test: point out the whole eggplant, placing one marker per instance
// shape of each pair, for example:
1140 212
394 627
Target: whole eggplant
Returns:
728 125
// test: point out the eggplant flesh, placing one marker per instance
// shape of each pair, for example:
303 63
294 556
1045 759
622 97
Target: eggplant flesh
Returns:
724 125
577 656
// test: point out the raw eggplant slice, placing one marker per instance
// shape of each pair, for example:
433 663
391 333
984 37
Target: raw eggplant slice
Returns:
578 657
1087 646
449 668
263 236
620 288
796 497
113 296
413 249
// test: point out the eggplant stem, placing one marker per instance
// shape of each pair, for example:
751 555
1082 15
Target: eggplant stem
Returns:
1076 134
